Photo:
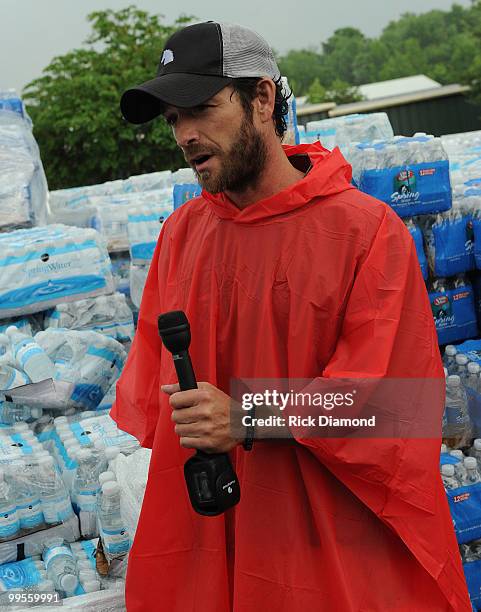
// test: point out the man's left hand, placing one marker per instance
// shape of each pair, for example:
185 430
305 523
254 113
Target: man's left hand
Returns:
202 417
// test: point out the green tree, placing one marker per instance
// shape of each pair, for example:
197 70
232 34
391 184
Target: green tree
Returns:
75 103
301 67
341 92
316 93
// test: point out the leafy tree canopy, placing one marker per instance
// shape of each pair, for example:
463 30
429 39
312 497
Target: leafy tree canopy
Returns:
75 103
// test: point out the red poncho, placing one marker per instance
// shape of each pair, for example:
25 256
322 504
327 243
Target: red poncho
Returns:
319 279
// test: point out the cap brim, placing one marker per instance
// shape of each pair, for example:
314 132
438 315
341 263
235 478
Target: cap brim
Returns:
147 101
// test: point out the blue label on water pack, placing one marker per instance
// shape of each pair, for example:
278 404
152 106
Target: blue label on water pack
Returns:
465 506
411 190
419 244
144 251
30 514
90 551
454 246
472 573
49 290
454 315
447 458
19 574
88 396
185 192
9 521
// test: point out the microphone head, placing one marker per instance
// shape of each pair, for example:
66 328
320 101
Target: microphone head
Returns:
174 330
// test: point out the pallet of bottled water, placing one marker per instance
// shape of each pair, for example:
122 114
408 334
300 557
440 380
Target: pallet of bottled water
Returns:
111 216
109 315
23 186
43 266
143 229
75 197
343 131
84 448
452 305
34 501
64 573
70 369
462 481
409 174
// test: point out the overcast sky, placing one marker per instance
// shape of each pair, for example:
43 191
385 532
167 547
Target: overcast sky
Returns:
32 32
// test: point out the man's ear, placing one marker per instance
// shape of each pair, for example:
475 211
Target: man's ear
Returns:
265 99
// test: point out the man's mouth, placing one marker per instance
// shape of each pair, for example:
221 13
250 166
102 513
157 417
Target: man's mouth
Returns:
201 161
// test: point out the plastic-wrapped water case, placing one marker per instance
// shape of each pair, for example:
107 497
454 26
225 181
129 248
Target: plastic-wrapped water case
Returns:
409 174
449 238
144 225
138 277
41 267
23 185
452 304
107 314
344 131
417 235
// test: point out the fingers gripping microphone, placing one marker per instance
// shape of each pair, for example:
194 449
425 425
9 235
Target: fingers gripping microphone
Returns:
211 481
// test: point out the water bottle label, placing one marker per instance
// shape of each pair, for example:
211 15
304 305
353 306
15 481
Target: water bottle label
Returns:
57 510
87 500
9 523
412 189
19 574
115 541
90 551
31 514
28 352
52 552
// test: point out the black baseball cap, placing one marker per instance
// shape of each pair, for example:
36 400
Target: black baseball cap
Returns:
196 63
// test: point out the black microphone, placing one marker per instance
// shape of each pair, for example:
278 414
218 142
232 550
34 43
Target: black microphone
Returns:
211 481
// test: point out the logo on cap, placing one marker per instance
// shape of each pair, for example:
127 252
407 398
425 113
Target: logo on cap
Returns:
167 57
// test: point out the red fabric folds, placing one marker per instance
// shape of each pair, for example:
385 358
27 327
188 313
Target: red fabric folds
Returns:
318 280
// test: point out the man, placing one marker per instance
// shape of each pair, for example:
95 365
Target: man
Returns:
284 271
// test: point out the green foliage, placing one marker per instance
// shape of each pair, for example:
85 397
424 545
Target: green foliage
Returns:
316 92
444 45
74 105
341 92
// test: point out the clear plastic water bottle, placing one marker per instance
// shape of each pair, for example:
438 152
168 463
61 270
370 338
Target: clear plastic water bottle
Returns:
9 520
29 508
12 413
473 380
449 358
461 365
30 356
84 491
476 451
459 469
56 504
458 430
11 377
449 479
472 474
113 531
60 564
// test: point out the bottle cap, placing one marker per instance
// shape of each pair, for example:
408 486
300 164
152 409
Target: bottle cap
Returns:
68 582
444 448
473 367
454 380
83 454
470 463
447 469
477 444
60 419
461 359
36 412
111 488
450 350
110 476
11 330
457 453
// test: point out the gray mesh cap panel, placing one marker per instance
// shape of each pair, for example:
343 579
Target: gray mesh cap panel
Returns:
246 54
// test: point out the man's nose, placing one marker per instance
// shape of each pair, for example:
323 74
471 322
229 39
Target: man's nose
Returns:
185 131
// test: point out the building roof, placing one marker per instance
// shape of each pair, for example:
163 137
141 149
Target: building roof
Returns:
368 106
396 87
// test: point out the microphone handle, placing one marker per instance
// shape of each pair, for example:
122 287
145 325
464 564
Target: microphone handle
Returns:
185 371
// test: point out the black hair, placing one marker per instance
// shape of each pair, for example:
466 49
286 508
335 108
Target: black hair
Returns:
246 89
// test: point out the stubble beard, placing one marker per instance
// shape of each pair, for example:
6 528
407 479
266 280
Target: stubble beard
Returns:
242 166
